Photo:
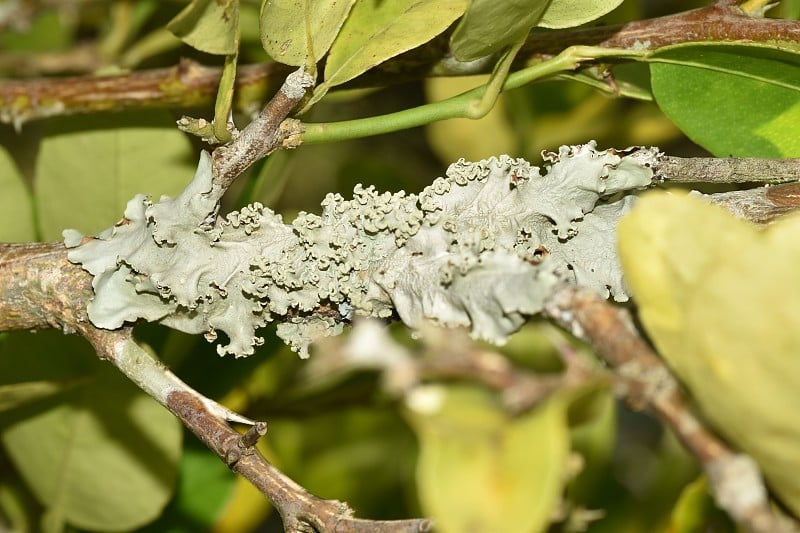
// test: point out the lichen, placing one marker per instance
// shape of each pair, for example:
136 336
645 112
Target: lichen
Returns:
480 248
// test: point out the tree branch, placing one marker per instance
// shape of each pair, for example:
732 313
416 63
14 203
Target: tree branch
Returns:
188 84
720 21
647 384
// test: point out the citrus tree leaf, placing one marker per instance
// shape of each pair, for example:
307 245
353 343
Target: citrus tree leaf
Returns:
570 13
480 469
211 26
299 32
16 211
378 30
730 336
102 455
87 169
739 100
489 26
14 395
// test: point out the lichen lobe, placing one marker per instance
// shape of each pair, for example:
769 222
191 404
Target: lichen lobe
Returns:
481 248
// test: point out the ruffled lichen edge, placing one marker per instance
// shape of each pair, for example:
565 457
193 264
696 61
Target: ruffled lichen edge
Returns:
480 248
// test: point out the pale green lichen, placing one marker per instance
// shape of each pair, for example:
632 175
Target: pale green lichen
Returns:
480 248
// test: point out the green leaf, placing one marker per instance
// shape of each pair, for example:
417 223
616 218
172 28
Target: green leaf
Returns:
571 13
300 32
211 26
490 26
100 456
18 394
730 336
89 168
739 100
480 469
204 487
378 30
16 211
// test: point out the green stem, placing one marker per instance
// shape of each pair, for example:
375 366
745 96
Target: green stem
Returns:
222 107
462 105
479 108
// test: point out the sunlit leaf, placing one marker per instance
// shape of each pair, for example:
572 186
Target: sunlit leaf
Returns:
739 100
378 30
211 26
721 306
300 32
480 469
88 168
570 13
101 456
16 211
490 26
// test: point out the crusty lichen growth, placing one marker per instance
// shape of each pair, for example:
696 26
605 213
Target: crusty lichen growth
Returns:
479 248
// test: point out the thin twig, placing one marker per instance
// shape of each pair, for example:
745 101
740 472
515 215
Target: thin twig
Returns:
646 383
265 134
298 508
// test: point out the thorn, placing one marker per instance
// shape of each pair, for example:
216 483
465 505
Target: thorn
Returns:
250 438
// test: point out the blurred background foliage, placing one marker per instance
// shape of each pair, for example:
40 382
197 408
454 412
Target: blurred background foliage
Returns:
339 435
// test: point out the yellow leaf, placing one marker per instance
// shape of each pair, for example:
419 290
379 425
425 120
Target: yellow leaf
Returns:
482 470
721 301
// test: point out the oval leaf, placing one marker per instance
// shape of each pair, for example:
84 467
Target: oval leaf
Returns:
482 470
211 26
490 26
730 336
16 211
101 456
571 13
88 169
739 100
299 32
378 30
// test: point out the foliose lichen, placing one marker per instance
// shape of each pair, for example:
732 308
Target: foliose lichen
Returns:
480 248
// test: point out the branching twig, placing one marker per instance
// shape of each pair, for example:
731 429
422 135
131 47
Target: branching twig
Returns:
265 134
445 354
646 383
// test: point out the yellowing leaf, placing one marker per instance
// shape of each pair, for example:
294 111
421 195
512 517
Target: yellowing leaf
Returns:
721 301
480 469
300 32
211 26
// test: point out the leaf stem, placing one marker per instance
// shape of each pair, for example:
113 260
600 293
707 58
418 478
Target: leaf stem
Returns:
462 105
